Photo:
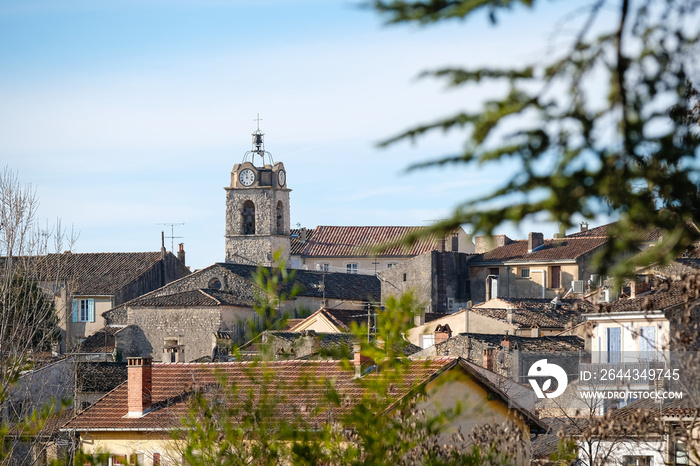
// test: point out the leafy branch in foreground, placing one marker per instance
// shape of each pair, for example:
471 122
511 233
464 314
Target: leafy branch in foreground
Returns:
608 124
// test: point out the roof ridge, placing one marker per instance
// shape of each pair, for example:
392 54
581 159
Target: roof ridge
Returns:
208 295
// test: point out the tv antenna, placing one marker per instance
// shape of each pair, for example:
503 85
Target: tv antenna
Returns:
172 234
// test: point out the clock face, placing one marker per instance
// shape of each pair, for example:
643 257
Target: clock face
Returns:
246 177
281 177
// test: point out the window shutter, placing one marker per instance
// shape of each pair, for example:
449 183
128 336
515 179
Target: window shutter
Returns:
75 310
91 310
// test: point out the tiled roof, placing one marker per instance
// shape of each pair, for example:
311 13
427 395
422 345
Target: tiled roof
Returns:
95 273
337 241
553 250
99 376
102 341
327 342
534 344
299 388
198 297
296 243
666 297
530 312
648 235
345 286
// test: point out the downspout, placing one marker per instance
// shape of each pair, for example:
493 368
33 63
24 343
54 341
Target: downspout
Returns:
507 281
544 279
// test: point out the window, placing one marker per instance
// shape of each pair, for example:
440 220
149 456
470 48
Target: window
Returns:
214 284
248 218
119 460
390 265
647 343
556 276
614 344
637 460
493 271
524 272
351 268
679 453
404 277
84 310
156 459
323 267
426 341
280 218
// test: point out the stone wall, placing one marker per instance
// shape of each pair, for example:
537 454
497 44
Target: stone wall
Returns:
193 327
437 280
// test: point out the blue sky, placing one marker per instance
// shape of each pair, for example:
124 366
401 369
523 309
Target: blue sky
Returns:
126 114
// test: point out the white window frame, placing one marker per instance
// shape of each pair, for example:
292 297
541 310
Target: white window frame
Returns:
427 340
351 267
324 267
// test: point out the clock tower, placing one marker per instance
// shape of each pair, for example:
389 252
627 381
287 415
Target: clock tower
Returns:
257 208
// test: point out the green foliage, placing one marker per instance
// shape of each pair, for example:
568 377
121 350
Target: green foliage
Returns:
631 154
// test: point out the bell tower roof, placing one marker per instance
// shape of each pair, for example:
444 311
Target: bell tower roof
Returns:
258 148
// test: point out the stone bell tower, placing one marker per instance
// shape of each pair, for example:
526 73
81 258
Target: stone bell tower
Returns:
257 208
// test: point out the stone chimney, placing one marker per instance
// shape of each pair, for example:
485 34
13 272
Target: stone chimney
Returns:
181 253
509 316
488 359
535 332
303 235
584 226
534 241
419 318
139 384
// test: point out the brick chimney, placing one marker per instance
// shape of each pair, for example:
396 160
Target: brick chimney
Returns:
139 386
488 359
181 253
534 241
358 360
637 288
442 333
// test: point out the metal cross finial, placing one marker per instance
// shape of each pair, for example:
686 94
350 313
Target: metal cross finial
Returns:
258 120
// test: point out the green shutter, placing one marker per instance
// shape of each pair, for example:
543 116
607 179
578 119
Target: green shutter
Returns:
91 310
75 310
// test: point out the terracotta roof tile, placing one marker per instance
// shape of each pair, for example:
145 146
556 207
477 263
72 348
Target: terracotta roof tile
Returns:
352 241
343 318
553 250
299 387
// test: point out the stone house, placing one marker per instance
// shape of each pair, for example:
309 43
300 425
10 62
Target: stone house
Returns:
87 284
353 249
534 268
438 280
134 422
186 319
518 317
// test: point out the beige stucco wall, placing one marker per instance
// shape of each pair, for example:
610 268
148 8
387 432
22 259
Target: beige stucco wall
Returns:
511 285
629 334
81 330
462 322
129 443
478 407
